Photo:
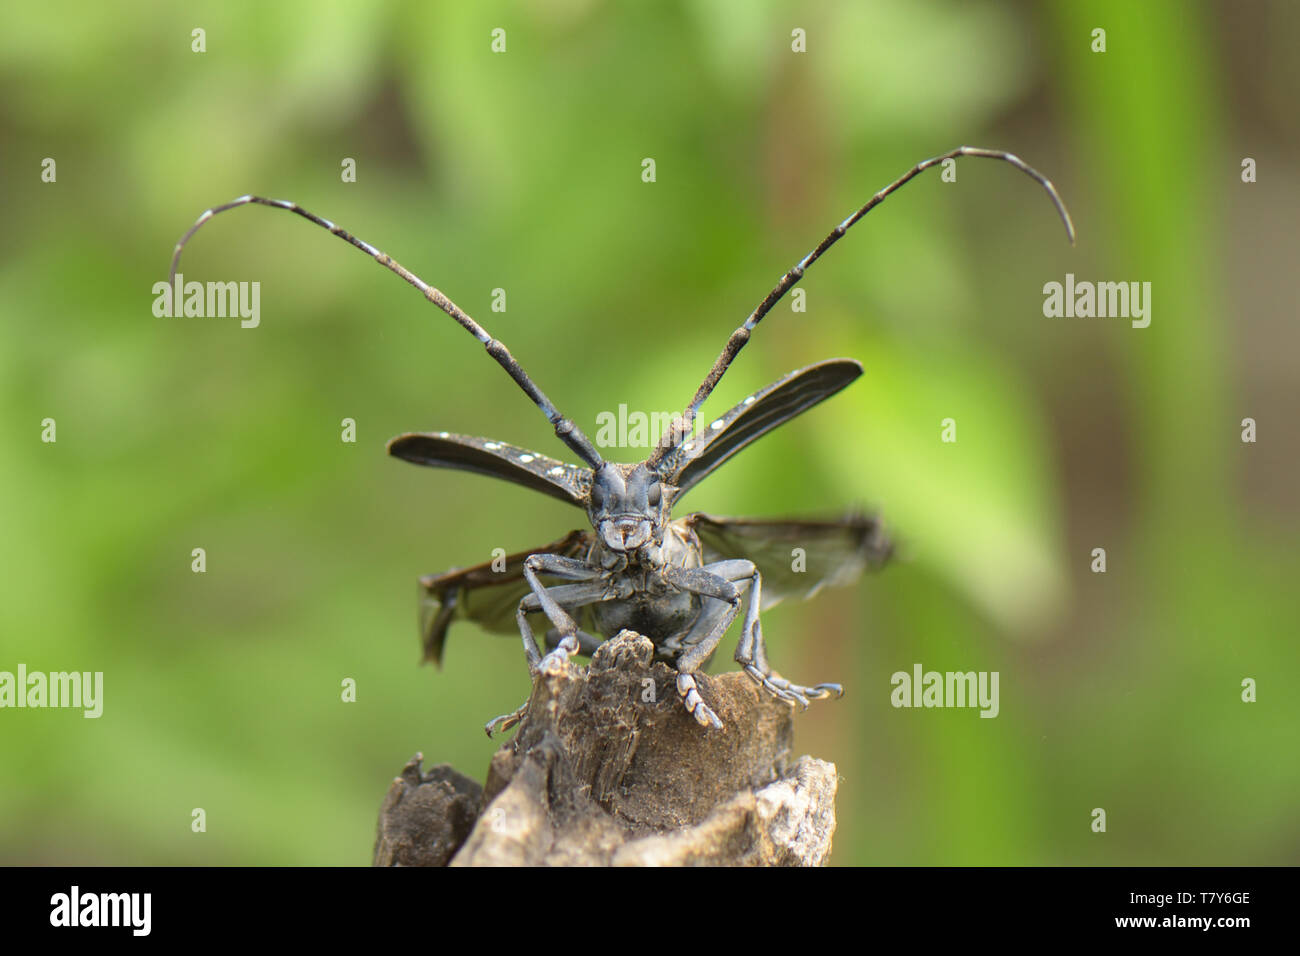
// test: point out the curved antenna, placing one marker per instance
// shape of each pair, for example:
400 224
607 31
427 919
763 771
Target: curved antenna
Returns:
686 423
565 429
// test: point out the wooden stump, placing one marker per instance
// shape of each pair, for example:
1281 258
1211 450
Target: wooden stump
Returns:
607 768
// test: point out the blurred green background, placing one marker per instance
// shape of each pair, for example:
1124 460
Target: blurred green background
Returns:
522 171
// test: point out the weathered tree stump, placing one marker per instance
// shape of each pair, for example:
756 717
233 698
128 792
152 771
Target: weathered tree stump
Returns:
608 768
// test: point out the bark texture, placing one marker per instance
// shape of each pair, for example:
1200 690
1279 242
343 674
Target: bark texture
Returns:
607 768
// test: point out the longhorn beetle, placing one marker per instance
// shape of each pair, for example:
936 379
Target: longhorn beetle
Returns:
679 583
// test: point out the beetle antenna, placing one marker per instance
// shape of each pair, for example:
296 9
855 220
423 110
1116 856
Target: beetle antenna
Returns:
686 424
565 429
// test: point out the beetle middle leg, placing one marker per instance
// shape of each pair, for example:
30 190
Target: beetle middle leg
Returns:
751 654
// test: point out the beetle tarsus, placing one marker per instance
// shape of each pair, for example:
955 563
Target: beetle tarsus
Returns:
505 721
557 661
782 689
694 703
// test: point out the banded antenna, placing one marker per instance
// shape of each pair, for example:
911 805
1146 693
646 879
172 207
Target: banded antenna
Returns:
684 427
565 429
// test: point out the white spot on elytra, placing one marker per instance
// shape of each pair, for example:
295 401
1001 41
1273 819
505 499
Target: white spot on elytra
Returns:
525 458
716 425
443 434
750 400
491 446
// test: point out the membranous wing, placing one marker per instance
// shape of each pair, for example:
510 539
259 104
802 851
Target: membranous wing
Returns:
796 558
496 459
753 418
487 594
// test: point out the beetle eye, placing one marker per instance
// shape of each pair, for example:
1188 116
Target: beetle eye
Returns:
655 495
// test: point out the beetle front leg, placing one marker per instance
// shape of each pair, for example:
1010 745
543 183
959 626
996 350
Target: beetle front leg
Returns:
586 590
552 602
568 569
722 581
587 643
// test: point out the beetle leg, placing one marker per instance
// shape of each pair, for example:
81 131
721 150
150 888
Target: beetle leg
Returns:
586 589
587 643
688 690
751 654
505 721
723 581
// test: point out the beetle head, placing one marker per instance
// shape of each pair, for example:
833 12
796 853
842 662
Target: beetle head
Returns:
627 506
